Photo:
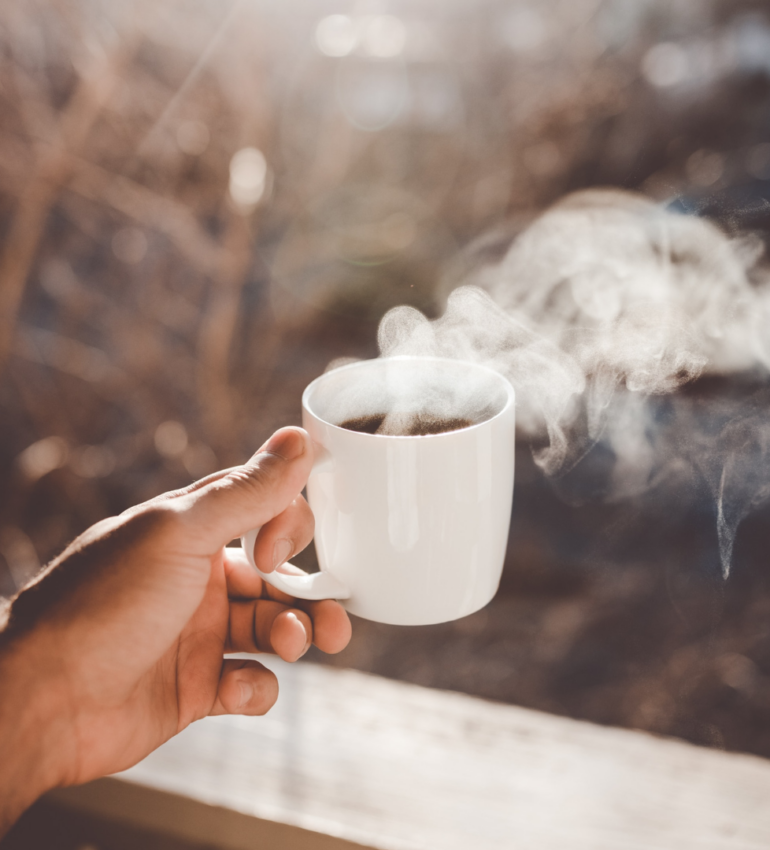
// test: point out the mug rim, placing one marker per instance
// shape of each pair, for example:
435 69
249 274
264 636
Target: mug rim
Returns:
509 401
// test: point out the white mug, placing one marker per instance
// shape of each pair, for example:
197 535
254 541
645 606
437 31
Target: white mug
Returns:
409 530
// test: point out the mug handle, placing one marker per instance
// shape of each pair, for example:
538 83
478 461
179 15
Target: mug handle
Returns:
322 585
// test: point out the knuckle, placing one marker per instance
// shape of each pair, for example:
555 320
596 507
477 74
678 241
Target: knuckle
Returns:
261 474
303 509
308 519
266 611
154 521
254 480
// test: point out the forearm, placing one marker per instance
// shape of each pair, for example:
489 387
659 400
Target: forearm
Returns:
29 732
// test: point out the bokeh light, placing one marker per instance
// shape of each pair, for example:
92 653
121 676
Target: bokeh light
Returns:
336 35
248 176
705 167
171 439
93 461
43 457
665 65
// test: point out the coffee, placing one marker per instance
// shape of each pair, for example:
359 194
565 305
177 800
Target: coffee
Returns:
419 425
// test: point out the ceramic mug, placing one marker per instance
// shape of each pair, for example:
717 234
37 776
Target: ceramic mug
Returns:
409 530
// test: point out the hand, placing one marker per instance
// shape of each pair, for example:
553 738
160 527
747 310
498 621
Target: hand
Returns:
119 645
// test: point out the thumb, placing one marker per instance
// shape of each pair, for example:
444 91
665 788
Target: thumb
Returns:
250 495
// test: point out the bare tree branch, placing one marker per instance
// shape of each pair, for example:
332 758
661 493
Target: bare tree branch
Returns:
50 174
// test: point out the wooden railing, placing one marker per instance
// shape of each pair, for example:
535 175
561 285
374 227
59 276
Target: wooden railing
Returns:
346 759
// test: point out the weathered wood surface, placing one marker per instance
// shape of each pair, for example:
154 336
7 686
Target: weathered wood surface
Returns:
390 765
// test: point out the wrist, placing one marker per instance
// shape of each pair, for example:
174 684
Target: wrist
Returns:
31 736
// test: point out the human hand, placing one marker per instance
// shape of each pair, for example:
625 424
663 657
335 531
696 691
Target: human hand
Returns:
119 644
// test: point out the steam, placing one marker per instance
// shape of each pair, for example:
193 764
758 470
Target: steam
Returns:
744 483
405 397
604 303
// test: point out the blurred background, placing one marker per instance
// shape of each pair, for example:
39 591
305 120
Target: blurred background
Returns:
203 204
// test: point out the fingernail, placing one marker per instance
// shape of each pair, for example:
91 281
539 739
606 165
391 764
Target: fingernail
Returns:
307 639
289 444
281 552
246 692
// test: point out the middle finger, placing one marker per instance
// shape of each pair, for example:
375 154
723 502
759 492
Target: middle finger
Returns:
264 625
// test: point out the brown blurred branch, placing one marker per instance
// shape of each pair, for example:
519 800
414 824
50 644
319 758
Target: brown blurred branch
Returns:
48 176
216 337
143 205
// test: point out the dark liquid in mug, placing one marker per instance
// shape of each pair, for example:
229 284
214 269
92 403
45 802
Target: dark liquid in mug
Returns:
420 425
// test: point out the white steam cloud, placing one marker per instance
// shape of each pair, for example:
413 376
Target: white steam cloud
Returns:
605 302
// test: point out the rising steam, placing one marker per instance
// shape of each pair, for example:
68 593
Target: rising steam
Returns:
604 303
